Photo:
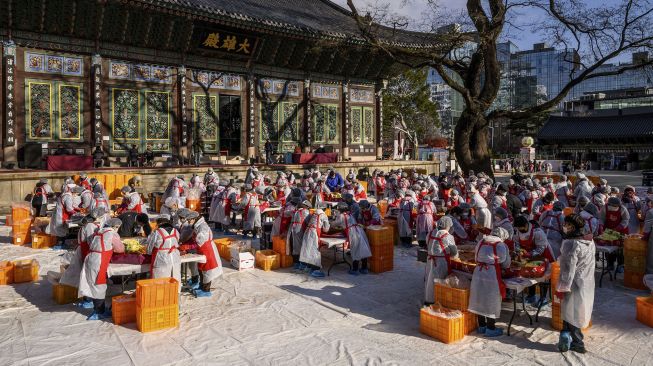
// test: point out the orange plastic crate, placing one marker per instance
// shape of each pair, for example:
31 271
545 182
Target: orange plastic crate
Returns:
446 330
382 259
157 292
634 280
452 298
43 241
9 220
21 211
383 207
224 247
279 244
471 322
21 238
267 260
123 309
194 205
380 236
26 270
6 273
635 250
157 318
556 318
645 310
285 260
63 294
555 276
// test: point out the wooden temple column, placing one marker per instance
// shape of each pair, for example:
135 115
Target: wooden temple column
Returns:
183 108
307 116
96 81
380 87
10 152
345 119
251 147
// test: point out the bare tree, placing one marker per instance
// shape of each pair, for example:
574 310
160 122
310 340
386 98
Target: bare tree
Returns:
599 34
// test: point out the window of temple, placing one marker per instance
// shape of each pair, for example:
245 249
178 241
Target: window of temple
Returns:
325 123
53 110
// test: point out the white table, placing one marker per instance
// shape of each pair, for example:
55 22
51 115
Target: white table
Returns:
129 271
336 243
517 285
604 251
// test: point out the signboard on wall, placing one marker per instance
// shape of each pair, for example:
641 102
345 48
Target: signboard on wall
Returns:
227 42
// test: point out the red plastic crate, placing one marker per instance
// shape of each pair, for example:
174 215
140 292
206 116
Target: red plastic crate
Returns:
123 309
157 292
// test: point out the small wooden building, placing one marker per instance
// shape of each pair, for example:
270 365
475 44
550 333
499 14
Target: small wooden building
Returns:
215 76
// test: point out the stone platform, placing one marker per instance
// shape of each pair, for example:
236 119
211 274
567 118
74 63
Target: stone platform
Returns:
16 185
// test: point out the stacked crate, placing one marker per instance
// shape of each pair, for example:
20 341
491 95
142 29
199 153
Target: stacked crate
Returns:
157 304
446 330
391 223
456 299
21 223
382 247
635 251
279 246
556 310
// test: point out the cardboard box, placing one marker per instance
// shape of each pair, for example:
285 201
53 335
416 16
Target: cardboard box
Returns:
242 261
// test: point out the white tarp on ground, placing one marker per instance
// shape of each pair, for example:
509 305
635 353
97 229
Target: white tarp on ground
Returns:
283 318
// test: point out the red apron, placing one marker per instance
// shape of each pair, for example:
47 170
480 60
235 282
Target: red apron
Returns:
227 207
85 184
445 256
497 267
347 226
206 250
98 201
285 220
536 217
104 261
613 220
529 202
155 250
249 203
84 245
65 215
529 245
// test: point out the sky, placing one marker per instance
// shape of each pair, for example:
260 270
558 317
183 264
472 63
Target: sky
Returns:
524 37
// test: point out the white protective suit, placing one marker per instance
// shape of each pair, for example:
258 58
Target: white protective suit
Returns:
577 264
216 210
71 275
358 243
562 192
648 228
231 197
286 213
167 262
310 252
135 202
87 199
551 222
404 217
102 241
591 224
583 188
175 189
441 246
100 203
485 298
483 214
633 208
251 211
204 238
425 219
65 204
296 231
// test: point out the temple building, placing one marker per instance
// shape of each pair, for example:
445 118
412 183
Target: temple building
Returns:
181 77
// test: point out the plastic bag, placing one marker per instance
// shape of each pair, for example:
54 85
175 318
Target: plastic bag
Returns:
454 281
193 194
442 312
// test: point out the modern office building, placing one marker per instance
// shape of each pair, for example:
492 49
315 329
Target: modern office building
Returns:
531 77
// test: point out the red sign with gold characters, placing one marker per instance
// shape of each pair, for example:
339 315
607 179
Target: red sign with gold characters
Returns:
227 42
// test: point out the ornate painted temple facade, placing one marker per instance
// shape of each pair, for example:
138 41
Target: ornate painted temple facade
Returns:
177 77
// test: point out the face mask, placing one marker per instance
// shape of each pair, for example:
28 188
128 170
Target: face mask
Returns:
523 231
612 208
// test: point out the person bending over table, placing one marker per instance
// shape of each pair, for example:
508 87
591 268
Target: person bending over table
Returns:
310 252
358 243
487 289
134 224
93 278
162 245
203 237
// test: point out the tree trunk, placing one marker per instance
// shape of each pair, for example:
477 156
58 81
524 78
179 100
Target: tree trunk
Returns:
471 143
